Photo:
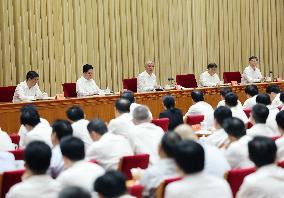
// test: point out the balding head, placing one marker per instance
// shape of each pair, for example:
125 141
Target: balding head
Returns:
186 132
141 114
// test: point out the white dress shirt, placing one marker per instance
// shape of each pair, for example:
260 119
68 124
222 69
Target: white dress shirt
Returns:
223 103
56 162
250 102
5 142
199 185
82 174
7 161
80 131
145 139
202 108
86 87
109 149
280 148
121 125
207 80
24 93
146 82
260 129
218 138
239 113
237 153
250 75
41 186
271 120
266 182
276 102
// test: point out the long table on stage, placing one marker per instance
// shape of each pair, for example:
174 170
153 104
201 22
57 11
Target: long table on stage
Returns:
103 106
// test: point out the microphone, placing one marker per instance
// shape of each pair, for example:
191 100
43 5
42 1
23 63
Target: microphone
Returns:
170 79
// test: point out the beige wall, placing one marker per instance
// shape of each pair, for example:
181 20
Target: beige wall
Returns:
56 37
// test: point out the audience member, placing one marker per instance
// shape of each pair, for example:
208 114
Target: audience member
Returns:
223 92
280 141
7 161
251 93
282 100
210 78
274 93
74 192
6 142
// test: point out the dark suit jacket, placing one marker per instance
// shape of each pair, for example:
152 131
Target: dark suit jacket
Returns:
175 116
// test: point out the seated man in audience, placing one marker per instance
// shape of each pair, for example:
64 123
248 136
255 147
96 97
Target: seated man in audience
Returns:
271 122
74 192
280 141
251 93
274 93
6 143
174 114
268 180
223 92
200 107
122 123
108 148
36 183
7 161
145 137
282 100
219 137
258 118
237 151
85 85
231 100
165 168
209 78
111 184
190 158
252 73
146 81
77 171
60 129
79 124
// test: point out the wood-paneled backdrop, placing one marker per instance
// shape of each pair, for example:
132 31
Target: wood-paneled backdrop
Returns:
56 37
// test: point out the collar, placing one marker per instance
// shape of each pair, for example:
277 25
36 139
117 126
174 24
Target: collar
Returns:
85 80
146 73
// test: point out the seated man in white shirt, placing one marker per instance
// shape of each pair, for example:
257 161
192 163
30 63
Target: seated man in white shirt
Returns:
200 107
6 142
74 192
231 100
219 137
268 180
237 151
36 183
251 94
146 81
223 92
282 100
76 116
60 129
280 141
190 158
274 93
29 89
85 85
108 148
252 73
7 161
145 137
209 78
77 171
165 167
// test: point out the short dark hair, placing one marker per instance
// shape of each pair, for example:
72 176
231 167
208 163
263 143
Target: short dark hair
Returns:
262 151
280 119
222 113
260 113
98 126
225 90
75 113
87 67
169 143
129 95
62 128
272 88
231 99
30 117
122 105
37 156
28 107
282 97
263 99
234 127
253 57
169 101
31 75
74 192
189 156
197 96
251 90
111 184
211 65
72 148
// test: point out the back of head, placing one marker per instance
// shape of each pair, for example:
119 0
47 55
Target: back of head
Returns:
75 113
28 107
169 143
272 89
282 97
263 99
112 184
231 99
62 128
189 156
222 113
72 148
197 96
260 113
251 90
129 95
262 151
169 101
211 65
98 126
37 157
280 119
31 75
74 192
122 105
30 117
141 114
234 127
87 67
225 90
185 132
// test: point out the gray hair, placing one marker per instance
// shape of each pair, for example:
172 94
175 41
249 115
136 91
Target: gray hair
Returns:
141 114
